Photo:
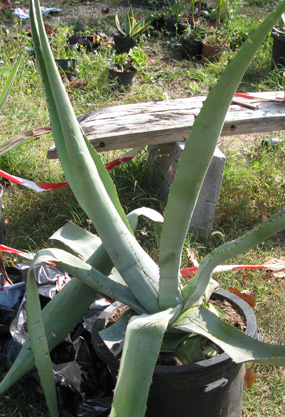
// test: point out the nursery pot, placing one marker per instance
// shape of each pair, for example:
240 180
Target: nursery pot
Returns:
212 387
211 52
173 26
278 50
66 64
191 48
125 78
122 43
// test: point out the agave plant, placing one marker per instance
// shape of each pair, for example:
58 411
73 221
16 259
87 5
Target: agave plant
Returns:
113 263
131 27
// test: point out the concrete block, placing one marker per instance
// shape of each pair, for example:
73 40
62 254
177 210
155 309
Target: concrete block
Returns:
163 162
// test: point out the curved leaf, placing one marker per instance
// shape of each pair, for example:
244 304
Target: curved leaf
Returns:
114 336
196 157
139 270
144 334
238 345
195 288
151 214
76 240
90 276
40 345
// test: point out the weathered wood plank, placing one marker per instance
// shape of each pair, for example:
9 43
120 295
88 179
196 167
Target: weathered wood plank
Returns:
141 124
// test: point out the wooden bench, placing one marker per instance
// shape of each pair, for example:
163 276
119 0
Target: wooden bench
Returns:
164 125
142 124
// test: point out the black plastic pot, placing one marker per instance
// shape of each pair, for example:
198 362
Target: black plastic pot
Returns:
278 50
66 64
89 43
122 43
126 78
191 48
173 26
212 387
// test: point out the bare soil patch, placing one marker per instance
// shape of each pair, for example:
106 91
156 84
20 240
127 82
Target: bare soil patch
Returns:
233 144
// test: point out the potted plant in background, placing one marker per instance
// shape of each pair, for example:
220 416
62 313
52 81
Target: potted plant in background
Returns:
127 33
89 42
174 11
278 49
213 45
192 42
125 66
170 18
163 311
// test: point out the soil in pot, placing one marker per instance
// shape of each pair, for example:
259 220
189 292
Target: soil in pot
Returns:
278 50
211 387
123 78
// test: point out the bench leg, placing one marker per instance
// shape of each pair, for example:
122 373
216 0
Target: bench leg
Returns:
163 163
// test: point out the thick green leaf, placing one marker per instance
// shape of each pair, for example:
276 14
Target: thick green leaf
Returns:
114 336
142 344
40 345
134 264
194 290
76 240
238 345
40 42
196 157
107 181
190 350
171 340
81 270
151 214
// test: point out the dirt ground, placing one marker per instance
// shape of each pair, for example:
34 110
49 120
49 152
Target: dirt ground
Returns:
229 144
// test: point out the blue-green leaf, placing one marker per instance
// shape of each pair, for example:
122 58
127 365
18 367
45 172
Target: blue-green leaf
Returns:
40 345
238 345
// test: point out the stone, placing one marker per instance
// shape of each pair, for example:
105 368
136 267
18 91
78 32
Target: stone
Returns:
163 162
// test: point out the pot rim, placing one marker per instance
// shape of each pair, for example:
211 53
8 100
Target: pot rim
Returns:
130 70
197 367
277 36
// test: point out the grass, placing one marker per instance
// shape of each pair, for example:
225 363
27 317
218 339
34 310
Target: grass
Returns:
253 184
